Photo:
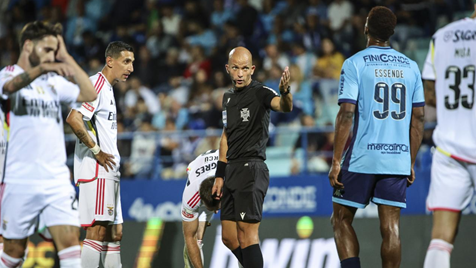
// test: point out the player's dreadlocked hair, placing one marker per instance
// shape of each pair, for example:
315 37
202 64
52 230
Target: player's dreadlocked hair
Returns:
381 23
206 194
36 30
115 48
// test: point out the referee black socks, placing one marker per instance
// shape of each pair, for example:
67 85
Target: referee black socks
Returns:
238 254
252 257
353 262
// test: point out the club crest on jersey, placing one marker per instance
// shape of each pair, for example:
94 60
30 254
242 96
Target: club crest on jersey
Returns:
245 114
110 210
52 87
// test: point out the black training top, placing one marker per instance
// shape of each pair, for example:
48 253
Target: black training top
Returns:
246 115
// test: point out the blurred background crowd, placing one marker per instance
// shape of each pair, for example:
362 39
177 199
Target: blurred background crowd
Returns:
181 47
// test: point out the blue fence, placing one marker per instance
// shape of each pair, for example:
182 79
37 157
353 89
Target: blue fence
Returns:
143 155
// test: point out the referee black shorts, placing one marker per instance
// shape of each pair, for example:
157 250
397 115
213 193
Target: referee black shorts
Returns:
246 184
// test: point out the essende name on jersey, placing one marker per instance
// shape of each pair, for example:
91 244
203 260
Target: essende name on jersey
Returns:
389 73
385 58
388 148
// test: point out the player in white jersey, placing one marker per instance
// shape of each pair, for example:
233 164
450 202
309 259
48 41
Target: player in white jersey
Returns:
37 180
449 75
3 152
198 206
96 161
195 215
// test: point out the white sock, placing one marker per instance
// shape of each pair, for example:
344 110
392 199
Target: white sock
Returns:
91 253
438 254
70 257
112 258
9 262
1 248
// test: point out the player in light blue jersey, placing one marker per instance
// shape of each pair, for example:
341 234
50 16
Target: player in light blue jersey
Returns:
381 92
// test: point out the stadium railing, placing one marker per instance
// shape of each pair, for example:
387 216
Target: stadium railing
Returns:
144 153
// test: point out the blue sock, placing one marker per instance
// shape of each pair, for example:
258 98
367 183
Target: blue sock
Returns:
353 262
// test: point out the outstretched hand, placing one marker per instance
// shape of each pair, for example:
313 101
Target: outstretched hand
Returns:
217 188
284 82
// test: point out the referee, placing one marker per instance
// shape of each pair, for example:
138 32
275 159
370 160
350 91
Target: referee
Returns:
246 115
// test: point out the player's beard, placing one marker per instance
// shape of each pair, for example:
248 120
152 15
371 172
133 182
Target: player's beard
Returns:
34 59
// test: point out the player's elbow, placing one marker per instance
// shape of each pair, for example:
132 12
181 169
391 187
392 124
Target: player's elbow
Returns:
87 93
90 96
346 116
288 108
418 114
9 88
346 112
71 119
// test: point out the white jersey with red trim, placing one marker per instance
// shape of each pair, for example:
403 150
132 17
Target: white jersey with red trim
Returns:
198 170
451 63
100 120
36 150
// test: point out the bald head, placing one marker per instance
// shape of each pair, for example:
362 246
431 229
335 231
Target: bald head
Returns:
240 54
240 67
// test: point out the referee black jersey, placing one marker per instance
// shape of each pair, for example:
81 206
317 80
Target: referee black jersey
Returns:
246 115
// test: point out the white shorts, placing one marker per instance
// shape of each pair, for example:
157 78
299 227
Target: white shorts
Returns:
452 183
22 205
100 200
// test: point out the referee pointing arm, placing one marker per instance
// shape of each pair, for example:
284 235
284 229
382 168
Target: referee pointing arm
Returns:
242 177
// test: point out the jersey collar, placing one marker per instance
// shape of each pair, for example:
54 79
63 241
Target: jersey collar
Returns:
245 88
379 47
101 74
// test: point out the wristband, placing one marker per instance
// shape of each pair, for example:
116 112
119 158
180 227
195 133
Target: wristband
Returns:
286 92
220 172
96 149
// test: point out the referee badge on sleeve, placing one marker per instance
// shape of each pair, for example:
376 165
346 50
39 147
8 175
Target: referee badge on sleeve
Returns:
224 117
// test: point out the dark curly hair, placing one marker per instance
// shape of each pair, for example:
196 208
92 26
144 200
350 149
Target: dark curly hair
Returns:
36 30
381 23
206 194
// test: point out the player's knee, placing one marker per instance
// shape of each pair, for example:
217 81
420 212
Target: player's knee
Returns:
445 234
15 250
230 241
97 232
117 237
390 230
338 218
101 234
